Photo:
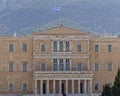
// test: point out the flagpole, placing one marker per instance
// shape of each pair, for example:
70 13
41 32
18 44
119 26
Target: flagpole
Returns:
60 19
57 9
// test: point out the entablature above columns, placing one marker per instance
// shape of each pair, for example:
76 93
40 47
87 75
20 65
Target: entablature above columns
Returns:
84 75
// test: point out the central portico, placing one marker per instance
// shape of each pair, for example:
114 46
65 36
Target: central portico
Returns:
58 82
61 62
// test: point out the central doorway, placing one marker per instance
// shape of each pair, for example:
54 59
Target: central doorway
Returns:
63 88
81 87
44 88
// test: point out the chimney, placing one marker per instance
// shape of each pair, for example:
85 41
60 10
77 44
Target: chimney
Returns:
15 34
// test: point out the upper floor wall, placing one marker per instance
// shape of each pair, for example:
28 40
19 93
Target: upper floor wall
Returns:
60 40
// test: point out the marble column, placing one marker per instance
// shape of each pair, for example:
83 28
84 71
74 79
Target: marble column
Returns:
60 86
90 86
47 86
35 86
85 86
78 86
53 86
66 86
73 86
41 86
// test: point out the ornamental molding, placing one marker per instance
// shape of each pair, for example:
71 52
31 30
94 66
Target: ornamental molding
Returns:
60 55
59 37
56 76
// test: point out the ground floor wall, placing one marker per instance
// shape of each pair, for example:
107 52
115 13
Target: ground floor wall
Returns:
16 81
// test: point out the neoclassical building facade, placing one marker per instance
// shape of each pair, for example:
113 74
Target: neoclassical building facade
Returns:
60 61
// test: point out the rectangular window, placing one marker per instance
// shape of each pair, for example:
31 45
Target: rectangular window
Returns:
54 46
110 66
110 84
96 86
24 47
11 87
42 47
79 48
25 67
61 65
109 48
11 47
67 62
96 48
67 46
10 67
61 46
55 65
79 66
96 66
42 66
24 86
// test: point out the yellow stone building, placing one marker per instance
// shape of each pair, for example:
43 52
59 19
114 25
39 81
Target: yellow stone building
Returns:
58 62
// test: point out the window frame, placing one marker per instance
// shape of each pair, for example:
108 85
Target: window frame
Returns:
108 66
97 69
98 48
67 64
67 46
25 69
23 86
55 64
55 47
9 88
81 68
61 65
42 47
9 47
98 86
24 47
79 46
41 66
109 46
9 67
61 46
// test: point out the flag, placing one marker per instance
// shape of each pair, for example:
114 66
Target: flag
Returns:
56 9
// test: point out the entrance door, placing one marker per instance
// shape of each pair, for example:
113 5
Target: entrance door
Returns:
81 87
44 88
63 88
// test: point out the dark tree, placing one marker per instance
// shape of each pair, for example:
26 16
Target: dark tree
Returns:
107 90
116 86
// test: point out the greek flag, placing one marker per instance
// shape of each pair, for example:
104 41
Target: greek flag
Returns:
56 9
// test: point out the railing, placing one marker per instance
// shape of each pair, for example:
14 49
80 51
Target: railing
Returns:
61 52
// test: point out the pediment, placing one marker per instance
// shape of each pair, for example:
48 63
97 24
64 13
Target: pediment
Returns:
61 30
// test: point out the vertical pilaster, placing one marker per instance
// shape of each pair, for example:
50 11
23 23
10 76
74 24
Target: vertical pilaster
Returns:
73 86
